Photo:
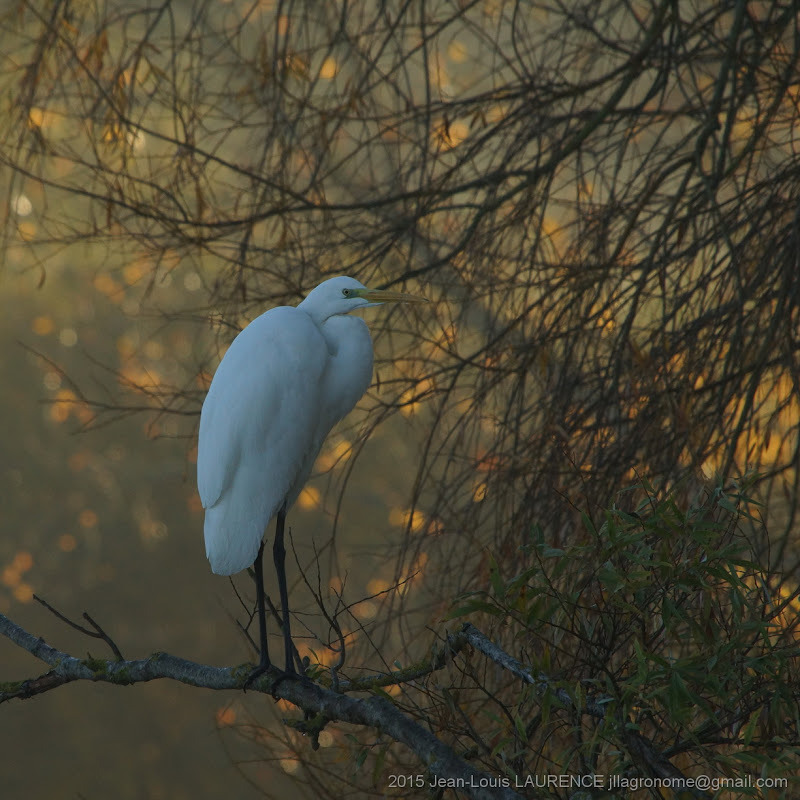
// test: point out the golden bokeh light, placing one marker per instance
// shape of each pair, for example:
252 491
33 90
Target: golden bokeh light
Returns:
328 69
457 52
289 765
87 518
377 585
105 284
366 609
11 577
309 498
225 717
23 593
414 519
43 325
36 117
449 134
27 231
65 404
78 461
23 561
335 454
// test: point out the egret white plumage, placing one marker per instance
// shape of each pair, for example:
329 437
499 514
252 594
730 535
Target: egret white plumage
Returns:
284 382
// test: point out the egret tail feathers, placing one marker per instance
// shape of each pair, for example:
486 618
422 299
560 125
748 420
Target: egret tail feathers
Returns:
235 526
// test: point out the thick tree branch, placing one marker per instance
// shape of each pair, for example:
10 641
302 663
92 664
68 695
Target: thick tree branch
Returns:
327 705
375 712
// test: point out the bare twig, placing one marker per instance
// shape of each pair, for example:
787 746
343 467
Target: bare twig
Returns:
97 633
375 712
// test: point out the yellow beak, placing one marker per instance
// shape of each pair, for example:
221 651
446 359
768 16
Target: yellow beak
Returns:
381 296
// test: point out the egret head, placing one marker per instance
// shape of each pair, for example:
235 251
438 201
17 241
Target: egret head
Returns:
343 295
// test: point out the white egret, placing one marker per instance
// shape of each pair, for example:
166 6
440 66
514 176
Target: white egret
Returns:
285 381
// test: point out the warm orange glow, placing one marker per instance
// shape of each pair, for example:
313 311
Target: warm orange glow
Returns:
335 455
323 656
133 273
435 527
225 717
105 284
79 460
377 585
450 134
36 117
410 401
365 609
309 498
328 69
138 378
414 520
42 326
447 338
11 577
67 542
87 518
83 413
59 413
555 231
290 765
488 462
22 562
64 405
27 231
457 52
24 593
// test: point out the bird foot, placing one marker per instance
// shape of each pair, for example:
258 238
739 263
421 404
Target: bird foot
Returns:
277 676
287 675
255 674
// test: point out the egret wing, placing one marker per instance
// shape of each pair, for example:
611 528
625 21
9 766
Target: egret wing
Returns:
256 429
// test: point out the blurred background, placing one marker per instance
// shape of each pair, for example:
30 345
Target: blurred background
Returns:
108 521
600 202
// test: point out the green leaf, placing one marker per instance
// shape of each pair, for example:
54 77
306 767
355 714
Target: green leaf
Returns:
475 607
749 730
495 580
520 727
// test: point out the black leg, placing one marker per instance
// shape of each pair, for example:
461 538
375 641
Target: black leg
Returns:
279 556
262 613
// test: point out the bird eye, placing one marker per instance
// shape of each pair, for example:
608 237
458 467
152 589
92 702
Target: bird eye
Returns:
346 292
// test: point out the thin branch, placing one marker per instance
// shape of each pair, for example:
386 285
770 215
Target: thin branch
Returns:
375 712
97 633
